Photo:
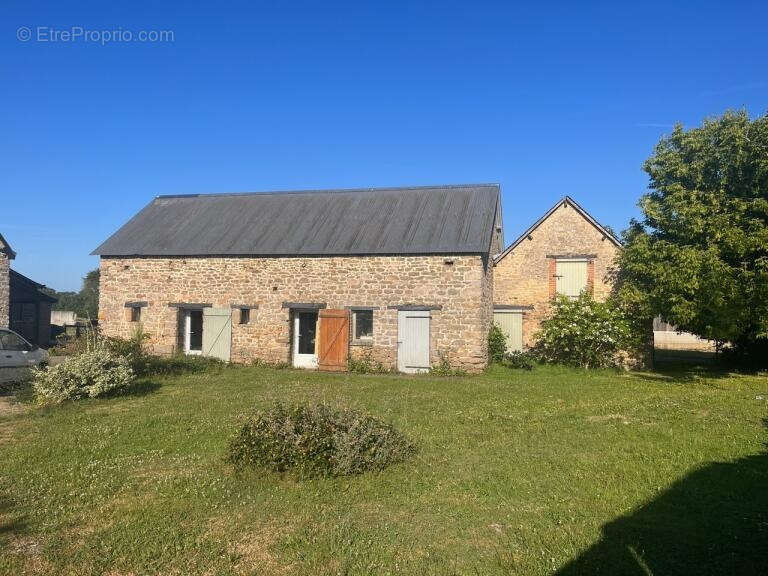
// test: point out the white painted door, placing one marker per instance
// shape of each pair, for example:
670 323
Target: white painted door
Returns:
511 324
193 331
571 277
217 332
413 340
304 339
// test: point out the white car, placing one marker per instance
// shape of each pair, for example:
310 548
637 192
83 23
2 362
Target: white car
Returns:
17 355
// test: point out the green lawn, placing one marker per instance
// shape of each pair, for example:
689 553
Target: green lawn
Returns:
517 472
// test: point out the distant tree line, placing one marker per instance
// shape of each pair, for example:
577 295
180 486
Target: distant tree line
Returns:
84 303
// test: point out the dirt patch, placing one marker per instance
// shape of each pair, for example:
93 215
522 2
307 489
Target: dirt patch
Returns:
9 407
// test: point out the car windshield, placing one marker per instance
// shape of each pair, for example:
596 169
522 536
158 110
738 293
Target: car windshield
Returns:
10 341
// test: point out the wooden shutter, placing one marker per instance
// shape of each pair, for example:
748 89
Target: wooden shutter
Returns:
571 277
217 332
511 324
333 339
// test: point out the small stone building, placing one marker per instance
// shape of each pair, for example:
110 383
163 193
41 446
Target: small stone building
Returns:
401 276
564 252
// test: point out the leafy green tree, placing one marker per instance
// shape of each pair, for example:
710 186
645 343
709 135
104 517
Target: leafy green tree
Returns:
699 257
84 303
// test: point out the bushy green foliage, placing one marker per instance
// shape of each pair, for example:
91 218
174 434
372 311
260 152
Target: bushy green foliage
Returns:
497 343
366 364
519 360
699 257
316 440
88 375
444 367
583 332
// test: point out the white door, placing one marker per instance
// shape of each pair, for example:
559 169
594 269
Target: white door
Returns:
193 331
511 324
413 340
304 338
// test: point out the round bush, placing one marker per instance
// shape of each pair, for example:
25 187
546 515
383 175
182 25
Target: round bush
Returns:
88 375
583 332
316 440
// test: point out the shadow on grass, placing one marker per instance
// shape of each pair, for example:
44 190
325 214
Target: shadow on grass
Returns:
10 523
712 521
141 387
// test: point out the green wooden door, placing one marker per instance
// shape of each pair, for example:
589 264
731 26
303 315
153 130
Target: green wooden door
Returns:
217 332
511 323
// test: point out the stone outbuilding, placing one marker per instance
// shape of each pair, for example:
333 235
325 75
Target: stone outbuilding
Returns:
563 252
401 276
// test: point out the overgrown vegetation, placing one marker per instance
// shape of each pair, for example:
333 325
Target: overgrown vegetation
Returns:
583 332
316 440
366 364
699 257
518 360
497 343
444 366
93 373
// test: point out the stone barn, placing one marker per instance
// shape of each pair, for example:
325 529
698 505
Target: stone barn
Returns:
564 252
401 276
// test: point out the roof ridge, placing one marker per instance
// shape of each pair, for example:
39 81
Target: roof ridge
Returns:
334 190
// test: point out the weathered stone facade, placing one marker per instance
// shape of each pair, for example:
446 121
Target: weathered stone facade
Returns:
459 287
525 276
5 289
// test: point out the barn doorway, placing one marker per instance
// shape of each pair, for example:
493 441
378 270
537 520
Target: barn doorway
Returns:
304 338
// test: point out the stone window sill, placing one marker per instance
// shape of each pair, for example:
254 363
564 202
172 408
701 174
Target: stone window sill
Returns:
366 342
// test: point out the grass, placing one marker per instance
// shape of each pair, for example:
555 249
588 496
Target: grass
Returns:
554 470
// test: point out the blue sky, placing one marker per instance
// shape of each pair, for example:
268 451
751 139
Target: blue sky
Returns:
546 99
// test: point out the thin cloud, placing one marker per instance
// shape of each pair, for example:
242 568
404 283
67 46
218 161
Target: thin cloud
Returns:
734 89
653 125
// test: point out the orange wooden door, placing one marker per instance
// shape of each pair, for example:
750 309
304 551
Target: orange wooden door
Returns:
333 340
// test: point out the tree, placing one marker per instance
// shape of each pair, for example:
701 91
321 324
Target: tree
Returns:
84 303
699 257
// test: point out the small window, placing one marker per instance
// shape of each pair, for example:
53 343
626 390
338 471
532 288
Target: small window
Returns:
245 315
362 324
135 313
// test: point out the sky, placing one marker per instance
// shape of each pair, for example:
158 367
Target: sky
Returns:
545 98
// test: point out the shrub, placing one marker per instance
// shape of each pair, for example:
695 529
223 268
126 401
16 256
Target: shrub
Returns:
497 343
366 364
583 332
445 368
88 375
316 440
132 349
518 360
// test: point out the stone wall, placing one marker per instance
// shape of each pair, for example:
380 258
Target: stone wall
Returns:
460 285
5 290
525 276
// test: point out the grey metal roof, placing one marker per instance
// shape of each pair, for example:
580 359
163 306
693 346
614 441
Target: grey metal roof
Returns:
418 220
